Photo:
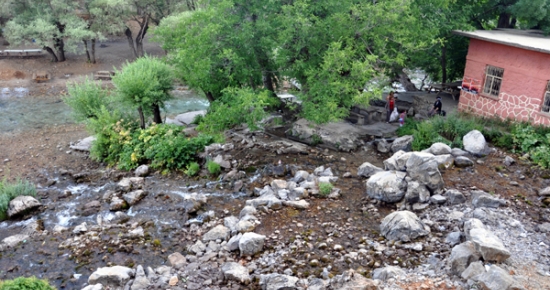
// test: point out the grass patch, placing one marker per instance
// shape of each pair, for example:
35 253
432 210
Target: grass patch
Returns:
213 167
9 191
23 283
325 188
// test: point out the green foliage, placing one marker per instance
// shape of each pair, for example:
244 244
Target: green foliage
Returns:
235 107
86 99
408 128
9 191
325 188
213 167
193 169
424 136
22 283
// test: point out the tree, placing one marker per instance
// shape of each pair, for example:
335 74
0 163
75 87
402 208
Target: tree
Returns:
145 84
50 24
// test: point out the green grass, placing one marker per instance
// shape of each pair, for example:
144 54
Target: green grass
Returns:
213 167
325 188
9 191
22 283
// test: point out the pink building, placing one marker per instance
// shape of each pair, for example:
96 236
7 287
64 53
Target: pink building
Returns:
507 75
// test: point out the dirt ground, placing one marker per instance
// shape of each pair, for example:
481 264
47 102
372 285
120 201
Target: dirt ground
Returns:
24 153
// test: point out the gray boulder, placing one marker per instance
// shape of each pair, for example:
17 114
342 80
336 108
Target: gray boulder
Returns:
129 183
475 269
388 272
455 197
21 205
222 161
445 160
218 232
142 171
402 226
461 257
247 210
397 161
251 243
438 199
267 198
367 170
471 224
497 278
423 168
133 197
187 118
233 243
12 241
278 282
488 245
341 135
235 272
439 149
462 162
140 282
383 146
474 142
84 144
350 280
508 161
387 186
403 143
177 260
198 247
417 192
483 199
457 152
545 191
111 276
453 238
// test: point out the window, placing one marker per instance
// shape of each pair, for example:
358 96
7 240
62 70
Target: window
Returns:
546 102
493 80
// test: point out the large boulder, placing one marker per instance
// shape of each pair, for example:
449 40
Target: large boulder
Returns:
387 272
383 146
439 149
367 170
133 197
193 202
350 280
474 142
483 199
340 135
387 186
403 143
141 282
142 171
112 276
417 192
251 243
423 168
497 278
268 198
218 232
187 118
277 282
455 197
463 161
461 257
397 161
84 144
488 245
235 272
402 226
22 204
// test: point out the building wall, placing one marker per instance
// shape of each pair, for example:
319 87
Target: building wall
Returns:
526 74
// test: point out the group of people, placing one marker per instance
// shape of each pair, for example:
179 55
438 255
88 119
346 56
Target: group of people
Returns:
391 100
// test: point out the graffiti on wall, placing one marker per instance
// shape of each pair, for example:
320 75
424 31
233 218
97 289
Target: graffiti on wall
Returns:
471 85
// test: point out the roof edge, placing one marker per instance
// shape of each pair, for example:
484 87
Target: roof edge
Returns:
471 34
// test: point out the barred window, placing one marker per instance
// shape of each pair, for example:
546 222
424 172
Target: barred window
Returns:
546 102
493 80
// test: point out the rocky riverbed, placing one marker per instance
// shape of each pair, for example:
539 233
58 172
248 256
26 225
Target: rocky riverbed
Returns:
439 219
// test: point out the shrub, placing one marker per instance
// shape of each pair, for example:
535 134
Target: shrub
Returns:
408 128
325 188
9 191
192 169
424 136
213 167
86 99
22 283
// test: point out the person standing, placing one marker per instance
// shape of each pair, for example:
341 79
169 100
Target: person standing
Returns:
436 108
390 104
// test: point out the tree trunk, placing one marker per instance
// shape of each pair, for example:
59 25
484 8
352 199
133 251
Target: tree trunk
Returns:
210 97
443 63
93 50
87 52
141 118
267 79
52 54
156 114
406 82
60 47
128 33
144 26
504 21
190 5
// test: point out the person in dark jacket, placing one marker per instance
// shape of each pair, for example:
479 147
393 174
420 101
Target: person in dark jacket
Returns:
436 108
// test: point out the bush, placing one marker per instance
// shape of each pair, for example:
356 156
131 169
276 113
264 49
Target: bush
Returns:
9 191
213 167
408 128
325 188
22 283
86 100
424 136
192 169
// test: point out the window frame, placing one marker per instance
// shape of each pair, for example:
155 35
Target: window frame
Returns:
546 100
490 78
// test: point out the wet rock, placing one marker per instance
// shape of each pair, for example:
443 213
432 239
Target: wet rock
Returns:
402 226
235 272
416 192
140 282
350 280
136 233
21 205
508 161
300 204
403 143
462 162
483 199
267 197
277 282
251 243
475 269
177 260
12 241
81 228
134 197
142 171
461 257
388 272
117 204
218 232
129 183
367 170
455 197
387 186
383 146
91 207
497 278
84 144
193 202
490 246
111 276
222 162
474 142
438 199
423 168
439 149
